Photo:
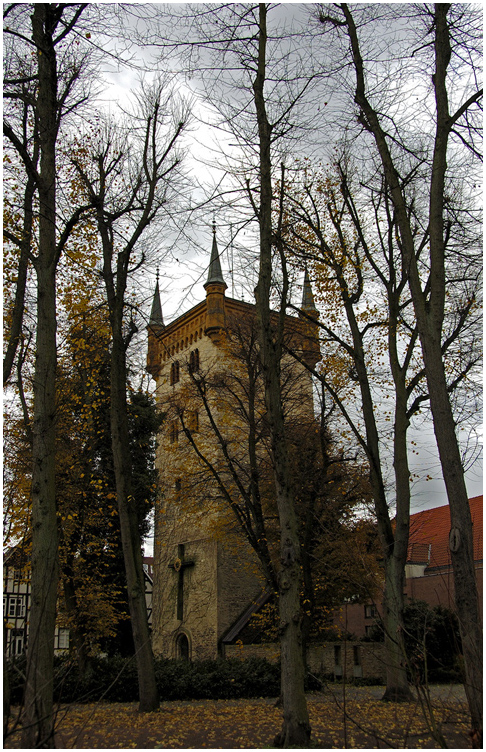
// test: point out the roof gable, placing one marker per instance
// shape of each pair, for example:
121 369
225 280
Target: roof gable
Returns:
429 534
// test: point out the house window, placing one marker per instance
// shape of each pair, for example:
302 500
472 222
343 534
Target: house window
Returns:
337 655
357 668
174 372
16 606
16 646
194 361
63 639
370 611
174 432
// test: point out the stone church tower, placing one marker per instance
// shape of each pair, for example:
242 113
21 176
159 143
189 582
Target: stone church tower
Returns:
207 577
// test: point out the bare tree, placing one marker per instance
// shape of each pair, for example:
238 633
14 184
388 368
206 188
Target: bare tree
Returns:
449 47
133 179
296 728
39 96
357 265
256 109
327 230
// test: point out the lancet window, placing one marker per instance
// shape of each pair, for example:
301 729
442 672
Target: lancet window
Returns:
174 372
174 432
194 361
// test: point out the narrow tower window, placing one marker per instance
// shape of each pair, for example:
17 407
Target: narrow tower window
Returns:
174 373
193 421
174 432
194 361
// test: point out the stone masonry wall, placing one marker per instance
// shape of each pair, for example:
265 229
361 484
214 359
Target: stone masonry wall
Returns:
192 510
359 659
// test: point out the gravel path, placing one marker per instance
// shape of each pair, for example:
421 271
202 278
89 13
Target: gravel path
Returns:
444 692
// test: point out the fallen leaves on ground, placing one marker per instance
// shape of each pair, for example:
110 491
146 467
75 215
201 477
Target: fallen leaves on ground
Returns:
364 722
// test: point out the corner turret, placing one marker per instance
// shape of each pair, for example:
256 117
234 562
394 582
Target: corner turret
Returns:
155 327
310 315
215 288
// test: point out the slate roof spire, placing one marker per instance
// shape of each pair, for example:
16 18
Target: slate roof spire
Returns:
156 318
308 304
215 275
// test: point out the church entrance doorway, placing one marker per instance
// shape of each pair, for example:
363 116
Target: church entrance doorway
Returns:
182 647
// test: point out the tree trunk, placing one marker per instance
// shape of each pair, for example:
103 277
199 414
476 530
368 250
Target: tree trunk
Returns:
15 333
397 689
296 728
430 317
461 538
6 684
38 722
393 543
77 642
131 543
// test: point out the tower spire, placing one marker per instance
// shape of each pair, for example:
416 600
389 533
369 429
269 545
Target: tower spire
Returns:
310 315
215 287
215 275
156 318
308 304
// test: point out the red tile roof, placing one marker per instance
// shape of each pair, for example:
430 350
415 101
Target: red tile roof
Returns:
429 534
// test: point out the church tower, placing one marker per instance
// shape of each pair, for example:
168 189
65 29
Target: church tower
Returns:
206 574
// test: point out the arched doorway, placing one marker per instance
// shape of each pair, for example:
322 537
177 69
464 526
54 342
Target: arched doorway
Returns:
182 647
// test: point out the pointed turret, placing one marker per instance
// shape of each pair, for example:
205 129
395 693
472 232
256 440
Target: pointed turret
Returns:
215 287
156 318
308 304
155 327
215 275
310 314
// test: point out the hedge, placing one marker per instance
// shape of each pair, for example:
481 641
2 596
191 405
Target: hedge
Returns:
114 679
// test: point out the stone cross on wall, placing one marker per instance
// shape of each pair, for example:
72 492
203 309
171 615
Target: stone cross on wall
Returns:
179 565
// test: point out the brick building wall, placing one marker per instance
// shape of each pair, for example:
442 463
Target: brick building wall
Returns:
429 575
